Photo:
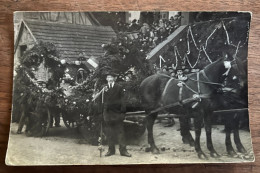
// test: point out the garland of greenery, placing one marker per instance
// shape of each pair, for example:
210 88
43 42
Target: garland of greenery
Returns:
29 95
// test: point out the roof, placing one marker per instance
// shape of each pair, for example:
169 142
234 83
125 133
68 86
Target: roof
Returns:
71 39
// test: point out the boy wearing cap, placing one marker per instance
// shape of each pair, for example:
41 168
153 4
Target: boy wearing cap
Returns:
180 74
114 114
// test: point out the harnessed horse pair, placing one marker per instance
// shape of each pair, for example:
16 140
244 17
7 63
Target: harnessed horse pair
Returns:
194 97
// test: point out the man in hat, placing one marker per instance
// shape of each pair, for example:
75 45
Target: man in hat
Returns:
114 114
180 74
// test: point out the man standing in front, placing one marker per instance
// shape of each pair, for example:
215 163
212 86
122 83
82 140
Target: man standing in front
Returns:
114 114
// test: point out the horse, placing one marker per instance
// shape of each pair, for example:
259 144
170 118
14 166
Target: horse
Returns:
193 97
231 100
234 98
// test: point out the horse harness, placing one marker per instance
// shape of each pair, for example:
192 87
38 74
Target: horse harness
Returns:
197 94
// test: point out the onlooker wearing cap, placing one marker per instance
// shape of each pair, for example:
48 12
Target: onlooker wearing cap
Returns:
180 74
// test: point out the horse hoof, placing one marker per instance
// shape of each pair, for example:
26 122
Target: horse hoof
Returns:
202 156
232 153
242 150
185 140
19 132
155 151
214 155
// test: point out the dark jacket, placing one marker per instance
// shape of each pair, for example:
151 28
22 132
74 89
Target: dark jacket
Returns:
114 104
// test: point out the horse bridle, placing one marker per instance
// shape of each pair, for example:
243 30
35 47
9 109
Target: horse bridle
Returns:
233 62
206 77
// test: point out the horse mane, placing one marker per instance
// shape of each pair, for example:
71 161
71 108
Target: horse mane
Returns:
213 63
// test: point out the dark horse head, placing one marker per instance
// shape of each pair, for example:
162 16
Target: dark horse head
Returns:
218 71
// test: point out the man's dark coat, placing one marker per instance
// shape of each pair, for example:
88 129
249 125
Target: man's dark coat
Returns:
114 104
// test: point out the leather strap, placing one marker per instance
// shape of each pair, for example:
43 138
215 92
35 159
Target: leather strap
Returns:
185 101
204 75
198 83
208 80
166 86
180 93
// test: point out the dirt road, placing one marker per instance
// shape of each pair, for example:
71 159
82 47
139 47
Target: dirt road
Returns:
64 146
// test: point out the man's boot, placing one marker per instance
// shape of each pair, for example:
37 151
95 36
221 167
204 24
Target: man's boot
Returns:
111 151
123 152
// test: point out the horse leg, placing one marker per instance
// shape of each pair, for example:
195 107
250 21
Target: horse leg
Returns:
150 122
21 122
207 119
229 147
197 125
185 131
237 140
238 143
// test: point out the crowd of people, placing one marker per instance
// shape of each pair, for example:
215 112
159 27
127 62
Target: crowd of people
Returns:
178 72
148 36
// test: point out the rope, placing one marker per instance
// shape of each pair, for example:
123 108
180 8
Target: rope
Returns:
176 58
183 58
192 66
193 38
236 50
209 37
203 48
227 35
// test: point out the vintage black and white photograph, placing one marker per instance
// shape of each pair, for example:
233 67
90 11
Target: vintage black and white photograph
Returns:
130 87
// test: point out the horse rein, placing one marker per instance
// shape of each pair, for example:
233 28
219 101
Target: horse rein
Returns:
208 80
204 75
